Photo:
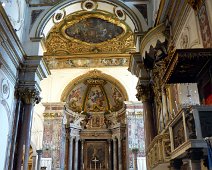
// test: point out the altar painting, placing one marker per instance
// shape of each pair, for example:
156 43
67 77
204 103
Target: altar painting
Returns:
94 30
96 157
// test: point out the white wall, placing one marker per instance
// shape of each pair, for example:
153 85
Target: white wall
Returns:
53 86
37 126
16 11
190 36
4 128
6 108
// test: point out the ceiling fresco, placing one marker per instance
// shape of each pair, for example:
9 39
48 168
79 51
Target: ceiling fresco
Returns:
94 30
95 95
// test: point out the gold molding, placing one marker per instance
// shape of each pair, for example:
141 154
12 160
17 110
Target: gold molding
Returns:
59 43
160 10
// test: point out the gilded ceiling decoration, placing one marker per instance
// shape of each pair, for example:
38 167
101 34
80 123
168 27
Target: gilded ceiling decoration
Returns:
88 33
93 93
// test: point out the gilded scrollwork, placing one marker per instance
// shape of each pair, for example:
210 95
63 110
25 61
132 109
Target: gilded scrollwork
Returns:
58 42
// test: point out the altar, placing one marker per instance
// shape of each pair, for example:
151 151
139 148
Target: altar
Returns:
96 155
95 125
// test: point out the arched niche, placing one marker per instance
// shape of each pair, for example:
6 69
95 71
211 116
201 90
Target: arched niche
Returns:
94 92
46 20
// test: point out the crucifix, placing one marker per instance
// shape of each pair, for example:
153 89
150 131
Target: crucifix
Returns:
95 161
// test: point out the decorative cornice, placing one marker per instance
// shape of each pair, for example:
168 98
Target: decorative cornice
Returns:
59 43
85 61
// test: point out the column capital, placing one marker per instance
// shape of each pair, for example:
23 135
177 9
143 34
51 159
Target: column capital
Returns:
143 92
29 96
39 152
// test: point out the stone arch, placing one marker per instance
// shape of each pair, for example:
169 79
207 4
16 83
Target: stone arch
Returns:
135 17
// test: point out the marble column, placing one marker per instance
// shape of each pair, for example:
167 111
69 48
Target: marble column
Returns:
39 153
82 155
149 124
114 154
195 156
63 147
176 164
76 153
120 153
70 158
66 158
29 98
27 125
109 154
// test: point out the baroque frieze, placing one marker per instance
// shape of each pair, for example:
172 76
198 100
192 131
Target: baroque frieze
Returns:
52 115
70 36
84 62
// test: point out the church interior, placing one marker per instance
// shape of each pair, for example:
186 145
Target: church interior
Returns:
105 84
